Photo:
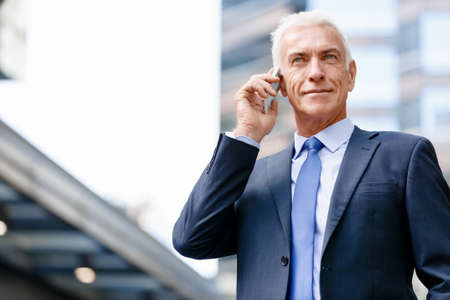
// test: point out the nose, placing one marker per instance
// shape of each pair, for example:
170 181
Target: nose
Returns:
316 72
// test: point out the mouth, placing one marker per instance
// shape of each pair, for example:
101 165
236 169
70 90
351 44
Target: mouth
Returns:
317 91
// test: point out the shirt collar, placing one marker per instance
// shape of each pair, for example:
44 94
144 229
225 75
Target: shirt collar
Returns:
331 137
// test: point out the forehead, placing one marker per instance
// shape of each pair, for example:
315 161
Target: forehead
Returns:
307 38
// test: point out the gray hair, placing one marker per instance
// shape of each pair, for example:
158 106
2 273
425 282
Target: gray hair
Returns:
305 18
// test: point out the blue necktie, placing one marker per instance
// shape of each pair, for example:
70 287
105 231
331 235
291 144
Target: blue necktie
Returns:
303 216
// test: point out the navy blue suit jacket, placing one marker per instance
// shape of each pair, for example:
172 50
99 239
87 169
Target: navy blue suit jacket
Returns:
389 213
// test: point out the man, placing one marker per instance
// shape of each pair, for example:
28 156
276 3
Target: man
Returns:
341 213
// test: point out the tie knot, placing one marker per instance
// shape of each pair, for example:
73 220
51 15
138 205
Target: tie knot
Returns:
312 143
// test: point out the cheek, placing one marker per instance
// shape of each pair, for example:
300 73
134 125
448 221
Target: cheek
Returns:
341 81
295 83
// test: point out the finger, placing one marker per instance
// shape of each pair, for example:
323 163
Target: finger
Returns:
270 78
269 88
259 87
247 93
257 101
266 77
258 83
259 106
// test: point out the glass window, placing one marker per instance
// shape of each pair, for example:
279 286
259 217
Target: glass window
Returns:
435 113
373 18
409 114
434 42
408 37
379 122
376 77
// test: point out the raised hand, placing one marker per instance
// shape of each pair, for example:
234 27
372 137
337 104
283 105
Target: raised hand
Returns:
252 121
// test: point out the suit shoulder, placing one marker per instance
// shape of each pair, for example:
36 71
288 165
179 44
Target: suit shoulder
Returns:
397 134
396 137
394 141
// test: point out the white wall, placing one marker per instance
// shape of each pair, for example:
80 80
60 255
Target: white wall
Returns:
124 95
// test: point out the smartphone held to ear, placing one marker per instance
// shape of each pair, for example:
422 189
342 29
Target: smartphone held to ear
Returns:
268 101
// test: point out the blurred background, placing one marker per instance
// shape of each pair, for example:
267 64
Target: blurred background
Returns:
101 101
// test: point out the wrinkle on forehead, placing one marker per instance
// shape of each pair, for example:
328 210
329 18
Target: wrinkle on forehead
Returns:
310 38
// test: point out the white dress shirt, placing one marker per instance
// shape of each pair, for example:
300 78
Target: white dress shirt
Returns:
335 139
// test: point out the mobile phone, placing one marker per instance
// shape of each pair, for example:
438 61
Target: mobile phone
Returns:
268 101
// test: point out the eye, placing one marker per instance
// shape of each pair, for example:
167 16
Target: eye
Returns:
330 56
298 60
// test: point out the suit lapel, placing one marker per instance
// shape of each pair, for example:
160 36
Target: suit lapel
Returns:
357 156
278 170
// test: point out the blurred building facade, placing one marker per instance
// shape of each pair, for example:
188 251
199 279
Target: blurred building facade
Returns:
59 240
12 38
402 83
424 73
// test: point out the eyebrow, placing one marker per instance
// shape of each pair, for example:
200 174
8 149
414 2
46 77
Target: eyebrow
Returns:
333 49
303 52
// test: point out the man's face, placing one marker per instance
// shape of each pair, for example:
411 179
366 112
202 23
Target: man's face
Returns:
315 76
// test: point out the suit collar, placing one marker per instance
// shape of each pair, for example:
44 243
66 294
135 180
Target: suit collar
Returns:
358 154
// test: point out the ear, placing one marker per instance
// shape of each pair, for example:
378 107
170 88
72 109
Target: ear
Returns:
352 75
283 86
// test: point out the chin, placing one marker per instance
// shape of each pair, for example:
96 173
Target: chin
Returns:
323 109
318 110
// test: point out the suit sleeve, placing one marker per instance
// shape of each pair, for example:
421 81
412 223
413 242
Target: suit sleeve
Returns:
206 227
428 208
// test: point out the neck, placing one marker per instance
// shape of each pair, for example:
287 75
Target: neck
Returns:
308 127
